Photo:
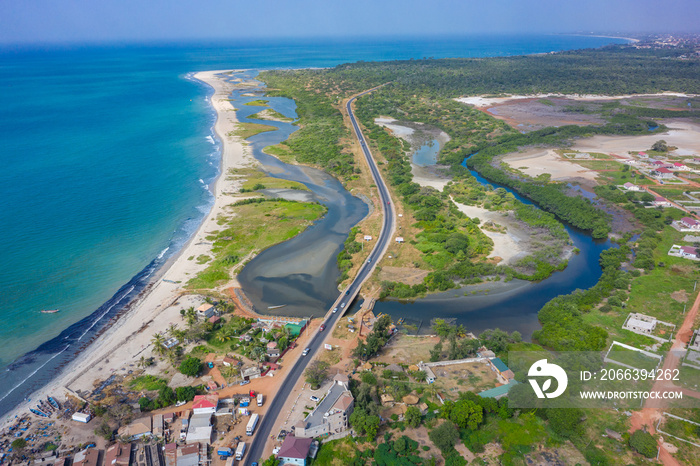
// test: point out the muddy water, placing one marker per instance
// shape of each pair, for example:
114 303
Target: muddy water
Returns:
300 274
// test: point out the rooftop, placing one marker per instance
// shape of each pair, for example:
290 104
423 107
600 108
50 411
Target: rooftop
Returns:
498 391
206 401
293 447
500 365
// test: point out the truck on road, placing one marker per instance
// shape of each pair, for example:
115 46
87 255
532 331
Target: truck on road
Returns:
250 428
240 451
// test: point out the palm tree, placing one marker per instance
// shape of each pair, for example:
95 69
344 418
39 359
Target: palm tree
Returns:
143 362
158 343
225 334
190 317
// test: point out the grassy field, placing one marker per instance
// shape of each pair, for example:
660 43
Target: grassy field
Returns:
336 453
282 152
674 193
254 227
689 377
257 103
246 130
256 179
632 358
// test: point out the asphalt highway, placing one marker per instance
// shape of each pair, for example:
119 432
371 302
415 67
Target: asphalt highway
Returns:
266 423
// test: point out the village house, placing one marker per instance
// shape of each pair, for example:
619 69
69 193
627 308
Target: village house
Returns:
137 429
662 173
294 450
661 202
686 252
631 187
272 350
87 457
681 166
501 368
688 224
689 252
206 310
429 374
205 404
252 372
118 455
228 362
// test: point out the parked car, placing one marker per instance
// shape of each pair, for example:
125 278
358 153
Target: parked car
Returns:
314 398
244 382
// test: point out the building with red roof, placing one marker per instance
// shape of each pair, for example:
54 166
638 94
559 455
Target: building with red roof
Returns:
205 404
294 450
118 455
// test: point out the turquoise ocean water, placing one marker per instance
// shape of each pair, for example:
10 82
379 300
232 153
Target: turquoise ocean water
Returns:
106 154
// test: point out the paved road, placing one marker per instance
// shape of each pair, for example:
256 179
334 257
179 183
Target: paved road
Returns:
343 302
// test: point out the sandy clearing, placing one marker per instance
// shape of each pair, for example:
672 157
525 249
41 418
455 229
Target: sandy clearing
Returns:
510 246
539 161
485 101
122 344
682 134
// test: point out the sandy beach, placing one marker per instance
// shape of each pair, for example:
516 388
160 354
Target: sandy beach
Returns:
121 345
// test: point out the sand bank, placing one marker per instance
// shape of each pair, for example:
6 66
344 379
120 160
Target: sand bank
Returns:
510 246
536 161
119 348
486 101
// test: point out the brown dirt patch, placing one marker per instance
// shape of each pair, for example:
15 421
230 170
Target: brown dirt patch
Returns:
533 114
405 275
681 296
407 349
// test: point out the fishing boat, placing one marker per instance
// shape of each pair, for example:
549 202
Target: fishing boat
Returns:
276 307
54 403
38 413
49 311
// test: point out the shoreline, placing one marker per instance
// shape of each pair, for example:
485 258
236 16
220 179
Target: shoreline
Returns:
120 343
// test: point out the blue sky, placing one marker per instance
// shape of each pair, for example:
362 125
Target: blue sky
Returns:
87 21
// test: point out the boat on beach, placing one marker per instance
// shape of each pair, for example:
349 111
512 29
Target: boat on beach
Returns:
49 311
53 402
38 413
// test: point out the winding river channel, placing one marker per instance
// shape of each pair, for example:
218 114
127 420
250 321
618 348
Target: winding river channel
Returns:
301 274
